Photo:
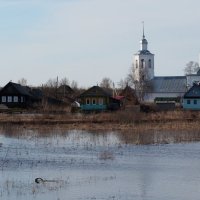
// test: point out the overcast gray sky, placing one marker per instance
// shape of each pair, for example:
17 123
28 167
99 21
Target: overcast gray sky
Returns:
87 40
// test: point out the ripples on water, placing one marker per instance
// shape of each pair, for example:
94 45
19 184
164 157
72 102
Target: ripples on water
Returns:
98 166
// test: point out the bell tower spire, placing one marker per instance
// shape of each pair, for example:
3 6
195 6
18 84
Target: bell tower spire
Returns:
143 29
143 42
143 61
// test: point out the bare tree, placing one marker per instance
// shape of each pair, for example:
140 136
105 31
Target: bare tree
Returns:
106 83
191 68
64 81
52 83
122 83
50 87
74 85
22 81
141 85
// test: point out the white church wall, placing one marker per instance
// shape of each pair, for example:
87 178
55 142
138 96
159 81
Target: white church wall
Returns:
147 66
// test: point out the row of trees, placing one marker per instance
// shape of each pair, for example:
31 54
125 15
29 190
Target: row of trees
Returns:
141 86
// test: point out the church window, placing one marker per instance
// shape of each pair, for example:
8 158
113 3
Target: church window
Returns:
136 63
142 63
143 77
149 63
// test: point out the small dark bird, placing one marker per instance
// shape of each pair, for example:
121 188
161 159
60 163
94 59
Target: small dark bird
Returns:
39 180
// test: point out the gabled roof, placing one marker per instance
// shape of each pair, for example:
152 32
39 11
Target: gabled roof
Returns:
23 90
193 92
168 84
95 91
66 89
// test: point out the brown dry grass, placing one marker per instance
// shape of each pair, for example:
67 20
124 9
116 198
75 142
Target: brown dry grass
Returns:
137 128
121 120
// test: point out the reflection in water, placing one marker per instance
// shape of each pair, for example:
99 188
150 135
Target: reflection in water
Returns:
158 137
123 137
95 165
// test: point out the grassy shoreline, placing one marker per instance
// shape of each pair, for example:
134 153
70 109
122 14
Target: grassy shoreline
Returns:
132 128
123 120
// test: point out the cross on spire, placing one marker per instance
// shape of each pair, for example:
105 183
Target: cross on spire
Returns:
143 29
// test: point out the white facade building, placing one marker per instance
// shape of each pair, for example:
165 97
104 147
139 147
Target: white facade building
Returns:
143 62
159 86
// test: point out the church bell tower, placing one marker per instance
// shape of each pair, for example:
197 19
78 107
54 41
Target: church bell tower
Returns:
143 62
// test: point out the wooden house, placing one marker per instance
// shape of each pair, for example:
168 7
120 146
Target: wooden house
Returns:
191 99
16 95
98 99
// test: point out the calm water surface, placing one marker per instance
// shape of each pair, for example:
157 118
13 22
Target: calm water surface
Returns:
84 166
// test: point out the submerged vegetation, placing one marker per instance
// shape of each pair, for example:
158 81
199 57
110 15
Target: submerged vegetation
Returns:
132 127
59 155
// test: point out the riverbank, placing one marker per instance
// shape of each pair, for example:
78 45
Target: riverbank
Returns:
116 121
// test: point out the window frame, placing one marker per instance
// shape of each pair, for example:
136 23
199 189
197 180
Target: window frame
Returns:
87 101
94 102
9 99
15 99
100 101
3 99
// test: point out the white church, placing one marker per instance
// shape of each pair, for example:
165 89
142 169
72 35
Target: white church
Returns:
161 87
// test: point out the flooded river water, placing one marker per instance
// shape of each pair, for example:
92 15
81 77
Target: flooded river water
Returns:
86 166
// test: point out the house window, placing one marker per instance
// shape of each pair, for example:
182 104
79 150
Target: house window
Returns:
195 101
100 101
9 99
87 101
3 99
15 99
188 101
22 99
93 101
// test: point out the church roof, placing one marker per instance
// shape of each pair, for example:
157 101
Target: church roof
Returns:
144 52
168 84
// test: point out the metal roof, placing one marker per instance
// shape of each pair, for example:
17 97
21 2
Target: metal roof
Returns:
193 92
168 84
